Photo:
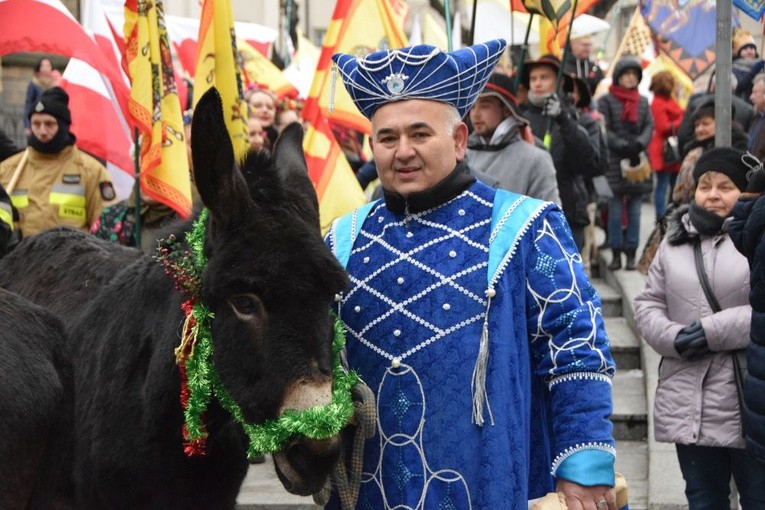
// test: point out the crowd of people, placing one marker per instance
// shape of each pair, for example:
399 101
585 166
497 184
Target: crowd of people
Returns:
490 184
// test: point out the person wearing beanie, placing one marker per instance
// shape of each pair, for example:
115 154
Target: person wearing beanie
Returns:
453 308
498 150
703 119
747 231
53 181
629 125
701 335
573 148
746 63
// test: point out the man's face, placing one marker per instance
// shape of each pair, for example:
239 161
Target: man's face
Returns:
542 80
581 48
414 144
44 126
486 114
757 97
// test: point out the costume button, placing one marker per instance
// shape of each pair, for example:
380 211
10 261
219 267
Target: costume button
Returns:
357 308
409 234
380 219
491 292
461 212
452 254
396 332
338 297
366 260
395 363
446 306
400 280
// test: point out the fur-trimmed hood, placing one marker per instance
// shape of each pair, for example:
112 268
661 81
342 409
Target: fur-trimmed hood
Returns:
679 227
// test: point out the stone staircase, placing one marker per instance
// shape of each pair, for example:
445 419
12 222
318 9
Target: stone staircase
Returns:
630 417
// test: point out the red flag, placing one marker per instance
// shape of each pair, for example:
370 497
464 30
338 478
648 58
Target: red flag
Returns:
48 27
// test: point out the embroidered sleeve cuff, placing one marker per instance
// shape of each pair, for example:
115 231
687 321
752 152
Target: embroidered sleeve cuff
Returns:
588 465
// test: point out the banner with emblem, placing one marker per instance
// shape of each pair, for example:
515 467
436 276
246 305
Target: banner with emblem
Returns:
154 107
218 65
752 8
687 34
357 27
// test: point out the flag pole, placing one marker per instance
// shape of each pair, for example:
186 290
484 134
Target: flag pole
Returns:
723 66
524 47
471 38
448 17
137 191
548 133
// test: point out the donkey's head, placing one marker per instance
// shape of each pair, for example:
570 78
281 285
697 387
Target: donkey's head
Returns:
270 282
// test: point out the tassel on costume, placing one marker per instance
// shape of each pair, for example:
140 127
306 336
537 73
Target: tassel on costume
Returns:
478 383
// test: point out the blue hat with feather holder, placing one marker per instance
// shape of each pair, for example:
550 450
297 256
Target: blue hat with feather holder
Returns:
419 72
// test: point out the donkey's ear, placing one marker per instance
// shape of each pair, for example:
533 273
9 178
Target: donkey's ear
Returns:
219 182
292 168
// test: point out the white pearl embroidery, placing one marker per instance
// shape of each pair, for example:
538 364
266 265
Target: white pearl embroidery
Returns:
357 308
446 306
400 280
452 254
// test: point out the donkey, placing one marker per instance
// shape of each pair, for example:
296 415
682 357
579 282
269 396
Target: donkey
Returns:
35 404
269 282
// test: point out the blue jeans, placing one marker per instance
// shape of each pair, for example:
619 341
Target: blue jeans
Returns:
615 210
707 471
664 180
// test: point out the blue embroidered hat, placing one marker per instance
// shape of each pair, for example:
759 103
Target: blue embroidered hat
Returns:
419 72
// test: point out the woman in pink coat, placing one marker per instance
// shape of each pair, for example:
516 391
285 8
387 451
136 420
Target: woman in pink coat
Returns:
667 116
697 402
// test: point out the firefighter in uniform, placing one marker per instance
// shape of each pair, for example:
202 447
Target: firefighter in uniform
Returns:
54 182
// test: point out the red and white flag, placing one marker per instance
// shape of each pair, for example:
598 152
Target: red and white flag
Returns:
98 123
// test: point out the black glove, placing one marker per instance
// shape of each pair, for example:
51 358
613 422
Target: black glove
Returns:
555 108
756 181
633 149
691 342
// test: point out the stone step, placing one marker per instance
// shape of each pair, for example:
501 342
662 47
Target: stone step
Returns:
632 463
625 344
630 416
611 299
262 490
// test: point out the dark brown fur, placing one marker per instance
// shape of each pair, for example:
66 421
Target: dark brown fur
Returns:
270 281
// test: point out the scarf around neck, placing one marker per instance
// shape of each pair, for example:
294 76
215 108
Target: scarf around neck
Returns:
629 99
706 222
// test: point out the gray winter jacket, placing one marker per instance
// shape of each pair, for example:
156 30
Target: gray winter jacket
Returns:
696 401
509 162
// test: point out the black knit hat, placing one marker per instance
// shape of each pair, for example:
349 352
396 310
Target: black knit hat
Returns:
54 101
626 63
731 162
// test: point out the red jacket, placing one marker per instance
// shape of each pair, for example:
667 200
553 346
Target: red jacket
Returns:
667 115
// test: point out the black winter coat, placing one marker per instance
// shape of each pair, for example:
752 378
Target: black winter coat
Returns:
575 159
746 230
619 134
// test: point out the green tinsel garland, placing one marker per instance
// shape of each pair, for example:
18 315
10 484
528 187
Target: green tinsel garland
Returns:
319 422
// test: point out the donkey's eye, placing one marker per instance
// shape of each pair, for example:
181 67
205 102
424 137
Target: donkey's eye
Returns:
246 306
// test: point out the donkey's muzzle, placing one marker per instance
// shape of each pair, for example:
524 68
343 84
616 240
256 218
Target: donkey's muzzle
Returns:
304 465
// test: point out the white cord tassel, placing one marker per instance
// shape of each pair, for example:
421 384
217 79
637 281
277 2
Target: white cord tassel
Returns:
478 383
332 82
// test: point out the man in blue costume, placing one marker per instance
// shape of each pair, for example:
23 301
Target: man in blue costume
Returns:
469 313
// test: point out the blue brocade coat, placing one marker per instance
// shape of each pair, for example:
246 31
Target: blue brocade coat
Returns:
414 314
